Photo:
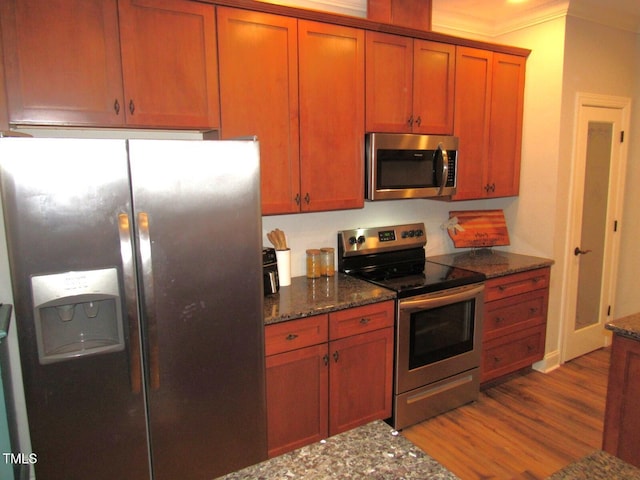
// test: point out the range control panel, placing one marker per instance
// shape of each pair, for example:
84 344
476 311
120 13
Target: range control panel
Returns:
364 241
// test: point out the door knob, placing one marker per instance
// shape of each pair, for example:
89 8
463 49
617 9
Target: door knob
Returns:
577 251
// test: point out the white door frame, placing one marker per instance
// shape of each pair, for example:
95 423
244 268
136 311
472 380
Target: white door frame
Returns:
616 200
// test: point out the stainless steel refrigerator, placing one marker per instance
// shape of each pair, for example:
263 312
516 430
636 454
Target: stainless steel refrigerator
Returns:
137 279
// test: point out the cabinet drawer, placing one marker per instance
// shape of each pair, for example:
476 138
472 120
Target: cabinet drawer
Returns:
511 314
512 352
516 284
287 336
357 320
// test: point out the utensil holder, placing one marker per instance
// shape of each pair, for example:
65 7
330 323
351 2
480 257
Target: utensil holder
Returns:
284 266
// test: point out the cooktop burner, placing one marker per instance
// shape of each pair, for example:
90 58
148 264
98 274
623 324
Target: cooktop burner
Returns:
394 258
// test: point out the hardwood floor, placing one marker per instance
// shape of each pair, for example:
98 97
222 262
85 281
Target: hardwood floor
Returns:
525 428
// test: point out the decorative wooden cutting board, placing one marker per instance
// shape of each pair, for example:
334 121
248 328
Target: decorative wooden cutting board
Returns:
478 228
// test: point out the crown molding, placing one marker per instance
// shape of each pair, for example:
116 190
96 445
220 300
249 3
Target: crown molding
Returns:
495 25
604 13
354 8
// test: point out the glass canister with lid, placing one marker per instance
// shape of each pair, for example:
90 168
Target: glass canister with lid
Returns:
327 262
313 263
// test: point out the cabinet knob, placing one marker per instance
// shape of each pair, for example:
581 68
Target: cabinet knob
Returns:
410 121
364 321
307 198
291 336
336 355
116 106
297 199
419 120
325 359
132 107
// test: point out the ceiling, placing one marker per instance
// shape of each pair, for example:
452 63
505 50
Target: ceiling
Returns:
496 17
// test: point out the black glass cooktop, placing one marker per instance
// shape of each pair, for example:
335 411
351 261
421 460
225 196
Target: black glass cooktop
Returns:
435 277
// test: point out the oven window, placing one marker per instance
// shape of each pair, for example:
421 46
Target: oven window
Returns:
405 169
439 333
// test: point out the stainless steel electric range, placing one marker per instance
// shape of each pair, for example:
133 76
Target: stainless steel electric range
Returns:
438 318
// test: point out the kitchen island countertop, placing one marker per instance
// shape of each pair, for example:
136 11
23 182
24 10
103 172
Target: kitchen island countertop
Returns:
306 297
373 451
628 326
493 263
598 465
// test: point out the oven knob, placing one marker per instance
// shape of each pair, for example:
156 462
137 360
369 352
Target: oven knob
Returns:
352 240
361 239
404 234
411 233
419 233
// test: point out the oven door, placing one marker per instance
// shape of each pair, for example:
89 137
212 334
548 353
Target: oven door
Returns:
438 336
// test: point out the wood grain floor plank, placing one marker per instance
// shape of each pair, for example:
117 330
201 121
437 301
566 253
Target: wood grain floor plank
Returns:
525 428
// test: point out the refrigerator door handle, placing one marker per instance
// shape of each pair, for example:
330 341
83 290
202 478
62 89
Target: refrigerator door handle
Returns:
144 240
128 273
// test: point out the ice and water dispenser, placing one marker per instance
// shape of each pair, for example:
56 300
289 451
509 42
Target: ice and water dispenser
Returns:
76 314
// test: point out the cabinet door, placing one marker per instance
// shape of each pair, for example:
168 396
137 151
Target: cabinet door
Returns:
169 62
505 126
259 96
361 379
621 421
433 87
297 398
472 104
389 83
331 76
4 110
62 61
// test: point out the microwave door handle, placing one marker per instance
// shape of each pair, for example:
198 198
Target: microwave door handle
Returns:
444 156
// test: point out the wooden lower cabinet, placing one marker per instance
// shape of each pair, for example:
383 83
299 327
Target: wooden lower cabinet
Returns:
515 321
326 383
621 420
297 398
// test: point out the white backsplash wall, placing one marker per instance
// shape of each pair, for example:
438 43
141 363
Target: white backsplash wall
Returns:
316 230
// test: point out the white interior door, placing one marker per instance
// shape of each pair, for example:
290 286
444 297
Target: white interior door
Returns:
596 207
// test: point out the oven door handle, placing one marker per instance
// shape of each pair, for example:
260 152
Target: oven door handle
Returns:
445 297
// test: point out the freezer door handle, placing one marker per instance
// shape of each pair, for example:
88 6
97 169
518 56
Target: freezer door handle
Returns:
144 242
128 273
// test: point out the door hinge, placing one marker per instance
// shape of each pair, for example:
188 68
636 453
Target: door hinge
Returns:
615 225
622 136
609 311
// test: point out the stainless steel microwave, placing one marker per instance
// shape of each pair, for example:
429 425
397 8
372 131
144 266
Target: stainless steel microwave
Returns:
410 166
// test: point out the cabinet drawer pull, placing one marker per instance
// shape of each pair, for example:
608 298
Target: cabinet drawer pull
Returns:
291 336
419 120
364 321
336 355
410 121
499 320
132 107
533 310
116 106
297 199
502 288
325 359
497 359
307 198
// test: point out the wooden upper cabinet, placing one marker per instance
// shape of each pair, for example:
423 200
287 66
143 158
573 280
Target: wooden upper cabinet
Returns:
433 87
64 65
489 102
389 82
505 124
409 85
62 60
331 82
169 63
259 96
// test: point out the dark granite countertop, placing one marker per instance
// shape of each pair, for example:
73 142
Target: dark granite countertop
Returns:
306 297
493 263
598 465
627 326
373 451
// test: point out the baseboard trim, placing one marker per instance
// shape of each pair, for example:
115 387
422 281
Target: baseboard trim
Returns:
550 362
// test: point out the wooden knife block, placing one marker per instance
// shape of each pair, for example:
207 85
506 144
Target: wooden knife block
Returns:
403 13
